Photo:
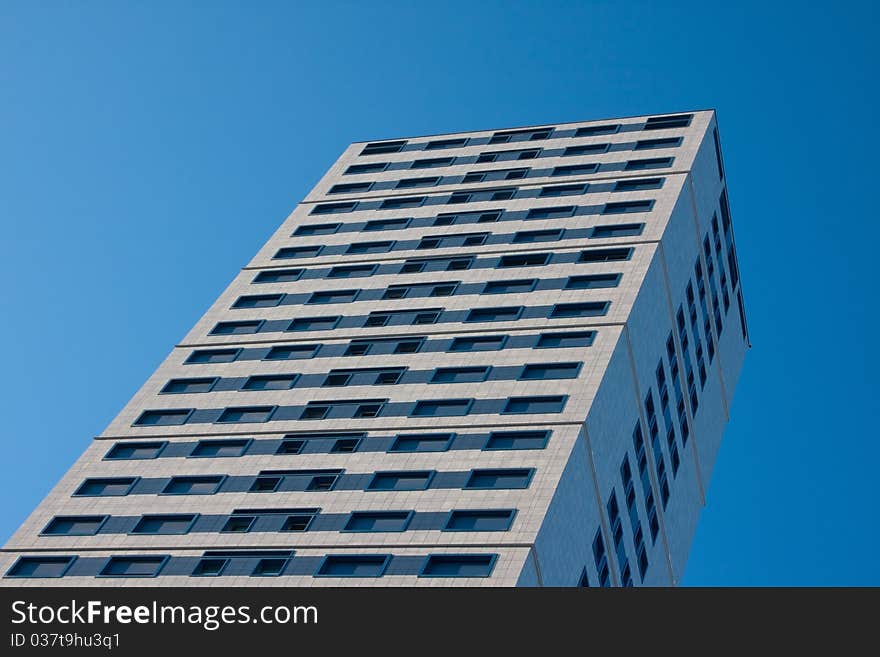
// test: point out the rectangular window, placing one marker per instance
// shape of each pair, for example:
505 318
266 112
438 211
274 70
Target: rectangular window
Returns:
499 440
431 162
545 371
135 451
666 122
442 408
291 446
238 524
163 418
42 567
350 188
590 130
460 374
181 386
551 213
482 343
664 142
530 134
455 565
575 169
352 271
345 446
270 567
483 520
623 207
278 276
313 324
519 286
378 521
409 183
373 167
384 147
649 163
358 565
105 487
532 236
74 525
292 352
315 411
633 185
408 202
585 149
237 328
405 480
590 281
193 485
258 301
562 190
146 566
422 442
210 567
165 524
500 479
317 229
585 309
265 484
565 340
333 296
386 224
212 356
524 260
220 448
300 521
618 230
535 405
370 247
507 314
241 414
334 208
446 143
291 252
605 255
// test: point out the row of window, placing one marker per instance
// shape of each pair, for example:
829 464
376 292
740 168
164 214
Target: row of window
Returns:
243 521
434 289
271 481
389 346
500 175
255 563
668 122
330 443
513 155
354 409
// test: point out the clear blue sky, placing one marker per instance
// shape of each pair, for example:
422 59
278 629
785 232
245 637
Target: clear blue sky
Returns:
148 149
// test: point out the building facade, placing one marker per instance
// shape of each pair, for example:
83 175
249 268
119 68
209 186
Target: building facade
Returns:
492 358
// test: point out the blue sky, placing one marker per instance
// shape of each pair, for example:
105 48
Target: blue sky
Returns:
148 149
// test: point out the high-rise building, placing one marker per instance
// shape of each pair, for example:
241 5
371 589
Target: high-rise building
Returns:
492 358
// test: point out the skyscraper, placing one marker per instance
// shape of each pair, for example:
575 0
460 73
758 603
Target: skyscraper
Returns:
492 358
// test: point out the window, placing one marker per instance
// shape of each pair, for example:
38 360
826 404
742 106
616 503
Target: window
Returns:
132 451
315 411
484 520
360 565
164 524
551 213
408 346
534 405
373 167
292 352
350 188
589 131
442 408
585 149
334 208
357 349
524 260
210 567
388 378
665 122
530 134
164 418
509 313
500 478
562 190
622 207
422 442
444 220
459 565
212 356
345 446
291 446
291 252
459 197
270 567
237 328
74 525
460 374
590 281
585 309
445 143
502 194
649 163
238 524
519 286
368 410
409 202
333 296
426 318
369 247
563 340
352 271
408 183
632 185
220 448
317 229
193 485
575 169
378 521
605 255
459 264
314 324
105 487
404 480
178 386
146 566
482 343
618 230
431 162
540 372
278 276
299 521
386 224
265 484
494 156
665 142
384 147
240 414
40 567
531 236
499 440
